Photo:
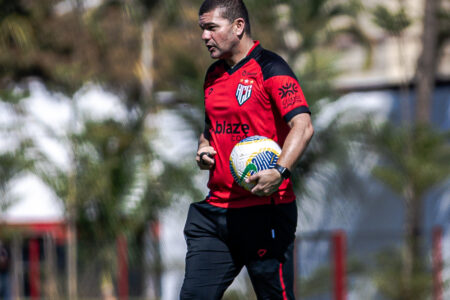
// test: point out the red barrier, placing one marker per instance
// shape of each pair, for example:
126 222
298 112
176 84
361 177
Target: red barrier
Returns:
339 253
122 251
34 272
437 264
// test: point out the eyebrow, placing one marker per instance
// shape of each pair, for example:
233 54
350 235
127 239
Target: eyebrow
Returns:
207 24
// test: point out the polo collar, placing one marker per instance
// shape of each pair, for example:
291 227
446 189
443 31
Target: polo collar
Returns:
256 48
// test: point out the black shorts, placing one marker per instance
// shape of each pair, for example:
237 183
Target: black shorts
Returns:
221 241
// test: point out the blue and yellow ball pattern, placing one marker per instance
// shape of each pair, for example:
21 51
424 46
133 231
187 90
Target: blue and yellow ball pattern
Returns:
251 155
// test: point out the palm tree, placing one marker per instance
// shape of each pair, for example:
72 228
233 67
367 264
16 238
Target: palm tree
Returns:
15 160
307 32
109 46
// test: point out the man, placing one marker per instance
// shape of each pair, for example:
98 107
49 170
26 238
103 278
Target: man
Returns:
248 91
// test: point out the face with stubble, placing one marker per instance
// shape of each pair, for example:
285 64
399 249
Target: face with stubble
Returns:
218 34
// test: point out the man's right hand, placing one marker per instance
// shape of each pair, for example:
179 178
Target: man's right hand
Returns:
205 157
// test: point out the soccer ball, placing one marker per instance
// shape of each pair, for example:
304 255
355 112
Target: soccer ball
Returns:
252 155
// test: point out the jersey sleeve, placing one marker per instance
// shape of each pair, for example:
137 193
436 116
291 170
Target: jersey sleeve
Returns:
283 88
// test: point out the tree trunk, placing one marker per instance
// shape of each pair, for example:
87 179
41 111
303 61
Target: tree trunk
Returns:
412 251
17 287
153 262
71 217
51 285
72 259
146 64
426 67
153 265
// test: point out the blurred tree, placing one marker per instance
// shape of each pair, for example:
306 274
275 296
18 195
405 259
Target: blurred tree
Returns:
102 47
394 23
416 152
16 156
309 31
411 174
387 277
119 193
320 282
66 44
13 164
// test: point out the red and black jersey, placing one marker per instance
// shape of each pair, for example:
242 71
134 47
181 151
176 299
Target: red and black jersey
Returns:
258 96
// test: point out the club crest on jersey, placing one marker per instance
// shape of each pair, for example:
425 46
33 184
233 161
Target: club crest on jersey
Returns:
244 90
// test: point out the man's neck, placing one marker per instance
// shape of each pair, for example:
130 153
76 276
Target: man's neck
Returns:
241 51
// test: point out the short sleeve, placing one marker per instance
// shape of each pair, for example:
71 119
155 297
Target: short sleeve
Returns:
287 95
282 85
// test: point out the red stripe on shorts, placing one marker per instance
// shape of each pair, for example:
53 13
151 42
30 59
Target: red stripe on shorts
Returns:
280 270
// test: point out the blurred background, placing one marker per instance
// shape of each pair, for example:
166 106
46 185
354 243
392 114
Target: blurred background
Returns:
100 109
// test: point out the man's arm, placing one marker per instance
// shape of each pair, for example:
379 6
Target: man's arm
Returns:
205 153
296 142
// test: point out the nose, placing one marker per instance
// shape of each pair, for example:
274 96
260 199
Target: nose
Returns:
206 35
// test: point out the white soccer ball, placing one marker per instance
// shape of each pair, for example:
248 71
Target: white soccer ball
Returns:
252 155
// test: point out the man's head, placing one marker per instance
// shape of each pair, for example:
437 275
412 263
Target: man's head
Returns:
224 24
231 10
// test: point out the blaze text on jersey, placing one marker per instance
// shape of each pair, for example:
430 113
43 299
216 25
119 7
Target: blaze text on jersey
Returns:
238 131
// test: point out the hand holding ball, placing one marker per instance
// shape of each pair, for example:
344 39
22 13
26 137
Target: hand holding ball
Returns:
251 155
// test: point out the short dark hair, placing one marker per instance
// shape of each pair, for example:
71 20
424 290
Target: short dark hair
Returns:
233 9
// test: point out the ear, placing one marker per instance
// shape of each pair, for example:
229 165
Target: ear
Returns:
239 26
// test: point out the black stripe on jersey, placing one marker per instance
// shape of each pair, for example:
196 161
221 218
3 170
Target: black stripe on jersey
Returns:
271 63
207 120
215 71
296 111
212 67
226 67
238 66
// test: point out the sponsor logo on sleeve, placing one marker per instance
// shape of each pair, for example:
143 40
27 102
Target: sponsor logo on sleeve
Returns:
289 94
288 89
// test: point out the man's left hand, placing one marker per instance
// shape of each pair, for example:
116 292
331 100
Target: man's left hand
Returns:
267 182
